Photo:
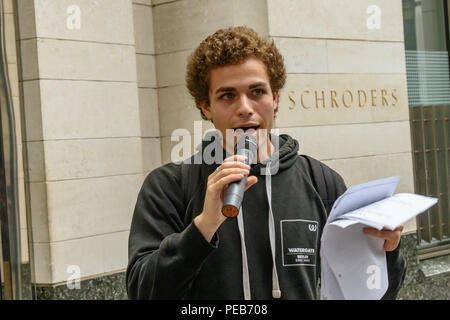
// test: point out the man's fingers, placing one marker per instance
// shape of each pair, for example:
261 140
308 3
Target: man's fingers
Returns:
218 185
220 174
385 234
391 237
236 157
377 233
250 182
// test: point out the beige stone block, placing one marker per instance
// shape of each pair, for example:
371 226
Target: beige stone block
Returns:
303 55
143 29
99 21
173 102
10 38
151 153
8 6
342 98
363 169
345 19
17 120
21 201
182 25
354 140
24 252
146 71
75 159
175 98
149 113
115 251
83 255
89 109
252 13
171 121
182 144
89 207
93 255
38 211
19 162
22 213
27 19
171 68
365 57
35 164
143 2
13 79
42 263
159 2
32 110
29 59
76 60
166 151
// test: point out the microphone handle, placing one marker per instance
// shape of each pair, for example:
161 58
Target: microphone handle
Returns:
235 193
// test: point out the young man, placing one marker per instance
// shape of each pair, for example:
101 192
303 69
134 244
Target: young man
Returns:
182 247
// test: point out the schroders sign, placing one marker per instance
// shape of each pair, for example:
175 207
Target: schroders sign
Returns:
311 100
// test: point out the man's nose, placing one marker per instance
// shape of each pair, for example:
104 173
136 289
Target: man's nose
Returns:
244 106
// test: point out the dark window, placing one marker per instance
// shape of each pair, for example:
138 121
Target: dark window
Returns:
426 34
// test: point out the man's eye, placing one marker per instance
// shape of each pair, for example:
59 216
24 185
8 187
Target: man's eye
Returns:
227 96
258 92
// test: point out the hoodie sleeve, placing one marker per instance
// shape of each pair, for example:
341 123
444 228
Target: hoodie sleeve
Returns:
396 264
164 255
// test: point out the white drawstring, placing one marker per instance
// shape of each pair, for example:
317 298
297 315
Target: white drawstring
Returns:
276 292
245 275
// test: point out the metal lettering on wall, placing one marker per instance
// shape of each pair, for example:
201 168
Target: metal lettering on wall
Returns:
311 100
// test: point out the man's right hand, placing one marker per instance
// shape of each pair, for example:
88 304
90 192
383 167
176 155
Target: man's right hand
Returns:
232 169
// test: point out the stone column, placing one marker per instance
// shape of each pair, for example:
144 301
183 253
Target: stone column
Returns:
83 134
147 87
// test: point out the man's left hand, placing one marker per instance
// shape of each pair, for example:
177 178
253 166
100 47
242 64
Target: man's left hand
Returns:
391 237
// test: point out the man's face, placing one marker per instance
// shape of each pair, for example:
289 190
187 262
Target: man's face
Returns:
240 97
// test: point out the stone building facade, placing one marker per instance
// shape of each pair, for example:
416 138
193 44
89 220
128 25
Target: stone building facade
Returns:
99 90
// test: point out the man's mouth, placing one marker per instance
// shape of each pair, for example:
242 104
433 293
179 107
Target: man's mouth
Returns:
246 129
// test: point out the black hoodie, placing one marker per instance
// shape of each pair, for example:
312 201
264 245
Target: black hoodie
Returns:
170 259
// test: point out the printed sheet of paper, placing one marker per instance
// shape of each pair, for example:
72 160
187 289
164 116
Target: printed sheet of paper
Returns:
393 211
353 264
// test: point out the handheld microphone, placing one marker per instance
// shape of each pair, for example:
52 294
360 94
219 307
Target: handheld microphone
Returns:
246 146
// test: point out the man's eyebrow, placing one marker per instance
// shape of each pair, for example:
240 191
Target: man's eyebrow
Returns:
225 89
257 84
252 86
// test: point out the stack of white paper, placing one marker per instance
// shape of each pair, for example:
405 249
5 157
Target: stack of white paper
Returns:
353 264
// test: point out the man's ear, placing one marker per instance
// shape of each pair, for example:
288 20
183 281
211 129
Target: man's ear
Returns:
206 109
275 100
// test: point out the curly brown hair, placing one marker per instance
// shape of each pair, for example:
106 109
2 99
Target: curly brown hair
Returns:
231 46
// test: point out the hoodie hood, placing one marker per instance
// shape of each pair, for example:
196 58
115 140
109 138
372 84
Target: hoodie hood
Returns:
285 154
